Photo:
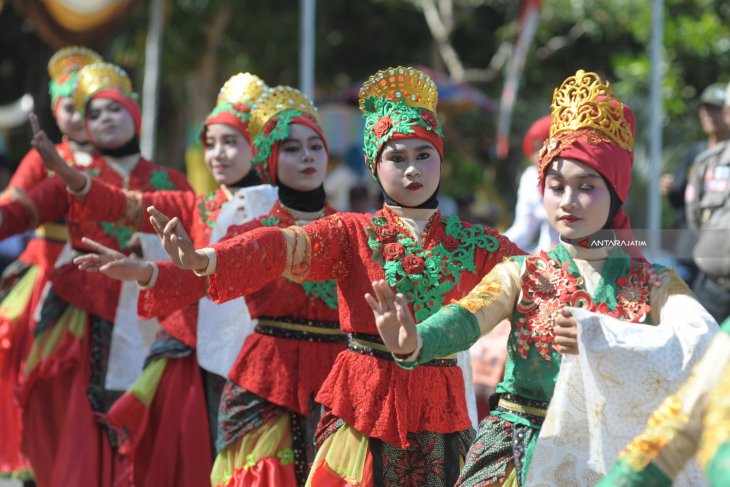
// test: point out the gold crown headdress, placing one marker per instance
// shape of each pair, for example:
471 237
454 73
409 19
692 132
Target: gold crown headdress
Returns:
583 101
271 116
585 106
241 88
95 77
396 100
63 68
410 85
70 59
276 100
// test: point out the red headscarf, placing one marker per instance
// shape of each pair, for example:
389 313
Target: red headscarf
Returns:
538 132
268 174
128 103
611 161
226 117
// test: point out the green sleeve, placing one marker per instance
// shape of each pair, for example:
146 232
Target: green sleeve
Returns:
450 330
622 475
717 470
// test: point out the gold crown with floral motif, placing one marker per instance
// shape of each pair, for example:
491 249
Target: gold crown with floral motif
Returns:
274 101
98 76
584 103
70 59
243 88
410 85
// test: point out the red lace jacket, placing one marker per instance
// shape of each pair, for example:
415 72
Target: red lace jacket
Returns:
369 390
49 201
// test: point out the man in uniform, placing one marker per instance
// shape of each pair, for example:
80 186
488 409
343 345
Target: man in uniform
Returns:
708 215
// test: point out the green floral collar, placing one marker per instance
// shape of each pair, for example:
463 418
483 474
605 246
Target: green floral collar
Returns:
425 276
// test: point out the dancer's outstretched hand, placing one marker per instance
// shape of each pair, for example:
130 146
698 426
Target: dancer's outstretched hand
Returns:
176 241
113 263
566 332
393 318
51 159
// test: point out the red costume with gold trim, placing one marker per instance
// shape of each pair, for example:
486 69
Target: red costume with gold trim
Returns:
63 385
378 417
164 418
360 388
296 342
24 281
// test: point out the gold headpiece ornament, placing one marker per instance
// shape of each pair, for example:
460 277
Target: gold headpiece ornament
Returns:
274 101
70 59
95 77
582 102
241 88
412 86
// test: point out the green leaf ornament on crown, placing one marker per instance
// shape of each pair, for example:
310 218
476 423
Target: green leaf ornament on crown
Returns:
275 130
241 111
425 276
385 117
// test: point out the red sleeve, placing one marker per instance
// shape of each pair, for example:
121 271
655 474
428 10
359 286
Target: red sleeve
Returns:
46 202
29 173
247 263
175 289
331 239
108 203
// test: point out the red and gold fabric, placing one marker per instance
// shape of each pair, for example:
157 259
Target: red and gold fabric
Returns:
24 282
368 390
297 340
142 416
65 355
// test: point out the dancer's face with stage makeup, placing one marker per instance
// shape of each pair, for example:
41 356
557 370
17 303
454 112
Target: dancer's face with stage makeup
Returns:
577 200
110 125
302 159
69 121
409 170
227 153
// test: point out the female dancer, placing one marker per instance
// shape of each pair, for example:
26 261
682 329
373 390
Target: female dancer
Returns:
173 445
268 412
380 422
64 385
585 173
25 279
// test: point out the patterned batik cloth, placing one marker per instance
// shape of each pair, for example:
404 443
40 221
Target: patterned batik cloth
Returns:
609 390
347 457
261 443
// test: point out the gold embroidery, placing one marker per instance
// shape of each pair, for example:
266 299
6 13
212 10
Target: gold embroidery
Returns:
662 427
522 408
483 295
716 424
53 231
298 253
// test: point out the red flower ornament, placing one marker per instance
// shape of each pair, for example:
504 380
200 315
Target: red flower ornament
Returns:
382 126
270 126
451 243
413 264
387 233
241 107
430 119
393 251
